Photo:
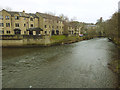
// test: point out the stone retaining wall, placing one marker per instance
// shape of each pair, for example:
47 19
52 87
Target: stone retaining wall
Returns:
26 42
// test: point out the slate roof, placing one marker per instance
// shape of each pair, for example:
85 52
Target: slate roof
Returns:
48 16
32 14
12 13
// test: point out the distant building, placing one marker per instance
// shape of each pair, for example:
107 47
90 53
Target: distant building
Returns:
74 28
71 30
91 27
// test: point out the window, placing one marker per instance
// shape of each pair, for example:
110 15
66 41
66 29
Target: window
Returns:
24 32
1 17
17 31
57 27
45 26
2 32
45 32
7 24
8 32
16 17
31 25
31 19
1 25
52 26
24 25
57 21
45 20
16 24
7 17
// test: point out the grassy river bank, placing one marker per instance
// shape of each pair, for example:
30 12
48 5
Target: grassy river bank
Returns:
114 65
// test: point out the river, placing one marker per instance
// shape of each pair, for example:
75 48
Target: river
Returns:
77 65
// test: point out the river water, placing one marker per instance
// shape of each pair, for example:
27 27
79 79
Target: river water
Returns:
77 65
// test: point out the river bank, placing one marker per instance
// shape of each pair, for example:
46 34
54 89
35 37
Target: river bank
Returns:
114 65
61 40
44 41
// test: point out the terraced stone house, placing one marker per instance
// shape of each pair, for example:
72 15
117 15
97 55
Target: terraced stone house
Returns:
18 23
74 28
51 25
21 23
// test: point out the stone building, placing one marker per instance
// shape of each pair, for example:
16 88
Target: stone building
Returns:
74 28
71 29
91 27
12 23
21 23
51 25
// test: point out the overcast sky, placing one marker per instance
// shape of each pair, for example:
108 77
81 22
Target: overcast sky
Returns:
84 10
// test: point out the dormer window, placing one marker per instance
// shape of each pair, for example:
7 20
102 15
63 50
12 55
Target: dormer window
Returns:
31 19
7 17
16 17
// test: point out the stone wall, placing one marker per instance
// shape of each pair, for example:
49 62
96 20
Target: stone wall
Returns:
26 42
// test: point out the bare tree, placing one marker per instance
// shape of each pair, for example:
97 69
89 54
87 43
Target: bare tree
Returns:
74 18
63 17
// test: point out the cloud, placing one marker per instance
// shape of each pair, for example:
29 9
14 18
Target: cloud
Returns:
84 10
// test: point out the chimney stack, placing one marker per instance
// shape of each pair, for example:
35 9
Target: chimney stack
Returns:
23 11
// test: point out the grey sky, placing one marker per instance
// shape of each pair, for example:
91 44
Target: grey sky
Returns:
84 10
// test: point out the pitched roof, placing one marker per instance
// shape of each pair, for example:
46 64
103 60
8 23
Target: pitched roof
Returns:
12 13
48 16
22 14
32 14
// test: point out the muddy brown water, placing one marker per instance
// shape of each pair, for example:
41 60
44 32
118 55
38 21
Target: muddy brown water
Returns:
77 65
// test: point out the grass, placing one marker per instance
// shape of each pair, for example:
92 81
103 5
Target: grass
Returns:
63 38
115 67
58 38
